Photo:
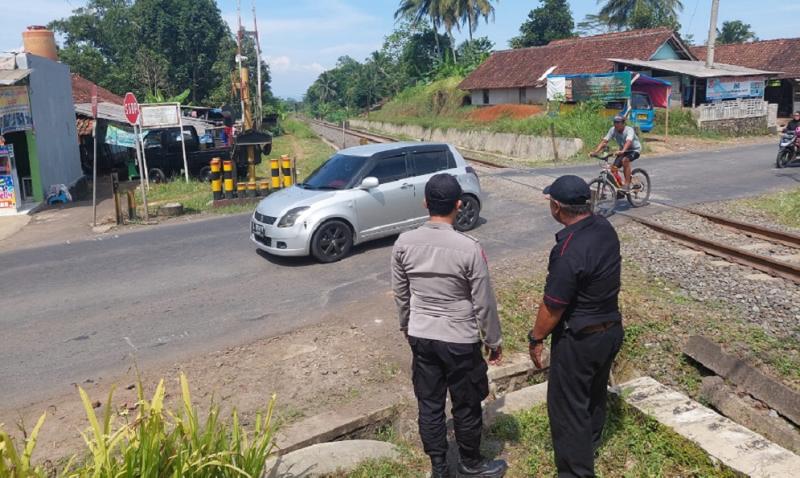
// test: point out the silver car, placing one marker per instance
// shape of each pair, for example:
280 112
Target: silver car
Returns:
358 195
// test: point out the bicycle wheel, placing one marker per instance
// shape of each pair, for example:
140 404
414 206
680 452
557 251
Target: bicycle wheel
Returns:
604 197
640 188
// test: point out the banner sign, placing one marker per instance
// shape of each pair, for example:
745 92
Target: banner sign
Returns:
731 88
160 116
119 137
15 109
576 88
8 193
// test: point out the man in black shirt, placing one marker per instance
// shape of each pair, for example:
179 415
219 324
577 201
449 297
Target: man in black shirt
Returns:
580 309
793 124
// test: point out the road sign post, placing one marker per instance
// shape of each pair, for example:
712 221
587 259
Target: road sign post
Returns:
132 114
94 156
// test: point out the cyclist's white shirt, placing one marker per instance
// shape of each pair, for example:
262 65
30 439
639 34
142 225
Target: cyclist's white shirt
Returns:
628 134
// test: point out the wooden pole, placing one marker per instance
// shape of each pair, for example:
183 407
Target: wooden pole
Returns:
94 172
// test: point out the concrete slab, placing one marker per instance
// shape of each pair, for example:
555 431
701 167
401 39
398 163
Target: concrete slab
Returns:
742 411
513 402
326 459
10 225
734 445
333 425
778 396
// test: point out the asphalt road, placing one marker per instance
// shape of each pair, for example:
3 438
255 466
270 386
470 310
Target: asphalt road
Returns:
79 311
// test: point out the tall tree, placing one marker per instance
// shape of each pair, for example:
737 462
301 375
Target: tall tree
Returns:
552 20
735 31
471 11
420 10
622 14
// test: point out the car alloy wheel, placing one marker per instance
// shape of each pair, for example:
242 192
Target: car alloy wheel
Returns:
332 241
469 214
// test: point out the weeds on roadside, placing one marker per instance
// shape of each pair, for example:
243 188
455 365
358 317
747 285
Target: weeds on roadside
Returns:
155 442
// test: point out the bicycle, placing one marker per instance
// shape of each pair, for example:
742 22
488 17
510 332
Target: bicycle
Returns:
607 187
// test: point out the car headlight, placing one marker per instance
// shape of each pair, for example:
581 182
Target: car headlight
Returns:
290 217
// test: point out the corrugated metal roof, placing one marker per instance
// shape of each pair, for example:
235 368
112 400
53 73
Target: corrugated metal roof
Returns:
696 69
113 112
10 77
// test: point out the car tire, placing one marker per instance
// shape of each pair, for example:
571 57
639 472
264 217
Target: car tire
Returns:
205 174
157 176
332 241
469 214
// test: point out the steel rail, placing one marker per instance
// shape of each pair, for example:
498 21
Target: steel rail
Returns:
732 254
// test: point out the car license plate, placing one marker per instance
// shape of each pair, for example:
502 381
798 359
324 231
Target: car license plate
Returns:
258 229
642 117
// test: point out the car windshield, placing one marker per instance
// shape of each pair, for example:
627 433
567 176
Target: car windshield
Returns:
336 173
640 102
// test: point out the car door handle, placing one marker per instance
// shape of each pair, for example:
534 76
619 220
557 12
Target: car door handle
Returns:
406 186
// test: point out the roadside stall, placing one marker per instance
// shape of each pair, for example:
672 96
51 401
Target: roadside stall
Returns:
9 181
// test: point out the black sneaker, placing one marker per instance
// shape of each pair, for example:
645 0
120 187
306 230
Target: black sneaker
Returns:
439 468
483 469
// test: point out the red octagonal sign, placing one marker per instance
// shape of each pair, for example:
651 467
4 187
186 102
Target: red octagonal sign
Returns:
131 108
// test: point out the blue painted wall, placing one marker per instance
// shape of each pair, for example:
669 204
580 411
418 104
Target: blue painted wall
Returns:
666 52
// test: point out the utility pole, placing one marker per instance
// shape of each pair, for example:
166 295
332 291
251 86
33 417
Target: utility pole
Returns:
712 34
259 105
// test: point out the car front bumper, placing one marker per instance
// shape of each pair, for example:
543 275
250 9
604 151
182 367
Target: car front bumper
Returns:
280 241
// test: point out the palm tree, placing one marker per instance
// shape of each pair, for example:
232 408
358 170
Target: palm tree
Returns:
619 13
470 11
419 10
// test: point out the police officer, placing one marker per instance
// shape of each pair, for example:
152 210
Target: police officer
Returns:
447 307
581 311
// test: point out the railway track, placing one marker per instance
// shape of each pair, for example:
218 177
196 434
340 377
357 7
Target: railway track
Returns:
379 138
734 241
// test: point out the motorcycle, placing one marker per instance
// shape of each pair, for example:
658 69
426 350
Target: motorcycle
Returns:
788 148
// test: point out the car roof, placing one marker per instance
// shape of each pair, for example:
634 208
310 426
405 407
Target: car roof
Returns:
401 146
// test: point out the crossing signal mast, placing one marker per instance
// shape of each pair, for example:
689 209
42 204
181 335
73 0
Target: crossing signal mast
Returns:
251 114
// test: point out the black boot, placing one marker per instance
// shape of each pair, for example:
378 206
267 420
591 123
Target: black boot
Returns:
482 469
439 467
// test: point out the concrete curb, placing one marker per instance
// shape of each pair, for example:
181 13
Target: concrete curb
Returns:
523 399
734 445
325 459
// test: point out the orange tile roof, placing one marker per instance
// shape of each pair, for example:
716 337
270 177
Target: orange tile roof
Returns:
524 66
782 55
82 92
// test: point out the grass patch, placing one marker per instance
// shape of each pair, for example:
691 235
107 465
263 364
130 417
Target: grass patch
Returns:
633 445
658 319
784 206
153 442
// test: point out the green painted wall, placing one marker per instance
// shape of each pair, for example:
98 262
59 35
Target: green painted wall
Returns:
33 159
666 52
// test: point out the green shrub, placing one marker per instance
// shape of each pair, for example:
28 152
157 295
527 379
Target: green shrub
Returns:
156 443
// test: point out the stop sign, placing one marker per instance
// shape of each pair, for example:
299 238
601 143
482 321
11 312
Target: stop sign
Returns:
131 108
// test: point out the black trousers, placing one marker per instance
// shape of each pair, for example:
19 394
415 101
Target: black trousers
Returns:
576 396
441 366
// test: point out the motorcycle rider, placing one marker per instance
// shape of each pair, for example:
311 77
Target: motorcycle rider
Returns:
793 124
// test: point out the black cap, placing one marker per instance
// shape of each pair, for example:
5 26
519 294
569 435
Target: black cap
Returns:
569 189
442 188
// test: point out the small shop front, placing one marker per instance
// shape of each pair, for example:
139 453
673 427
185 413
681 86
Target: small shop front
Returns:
16 166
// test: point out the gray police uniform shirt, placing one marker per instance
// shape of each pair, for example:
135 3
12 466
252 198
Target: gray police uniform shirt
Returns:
442 289
628 134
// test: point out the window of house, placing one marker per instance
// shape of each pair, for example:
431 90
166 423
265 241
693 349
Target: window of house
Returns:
523 96
486 97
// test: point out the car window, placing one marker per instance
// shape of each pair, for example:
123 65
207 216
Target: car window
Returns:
389 169
336 173
640 102
427 162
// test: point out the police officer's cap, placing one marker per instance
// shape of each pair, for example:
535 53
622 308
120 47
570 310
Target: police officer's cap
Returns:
569 189
442 188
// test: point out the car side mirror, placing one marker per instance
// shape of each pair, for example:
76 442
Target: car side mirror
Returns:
370 182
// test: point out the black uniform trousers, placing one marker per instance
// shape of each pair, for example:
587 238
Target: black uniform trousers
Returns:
576 396
441 366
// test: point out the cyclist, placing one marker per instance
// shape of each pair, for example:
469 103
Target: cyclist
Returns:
630 147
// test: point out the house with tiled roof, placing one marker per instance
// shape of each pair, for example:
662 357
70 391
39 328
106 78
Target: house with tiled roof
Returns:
520 75
782 56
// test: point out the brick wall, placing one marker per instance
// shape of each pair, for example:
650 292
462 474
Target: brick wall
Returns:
736 127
